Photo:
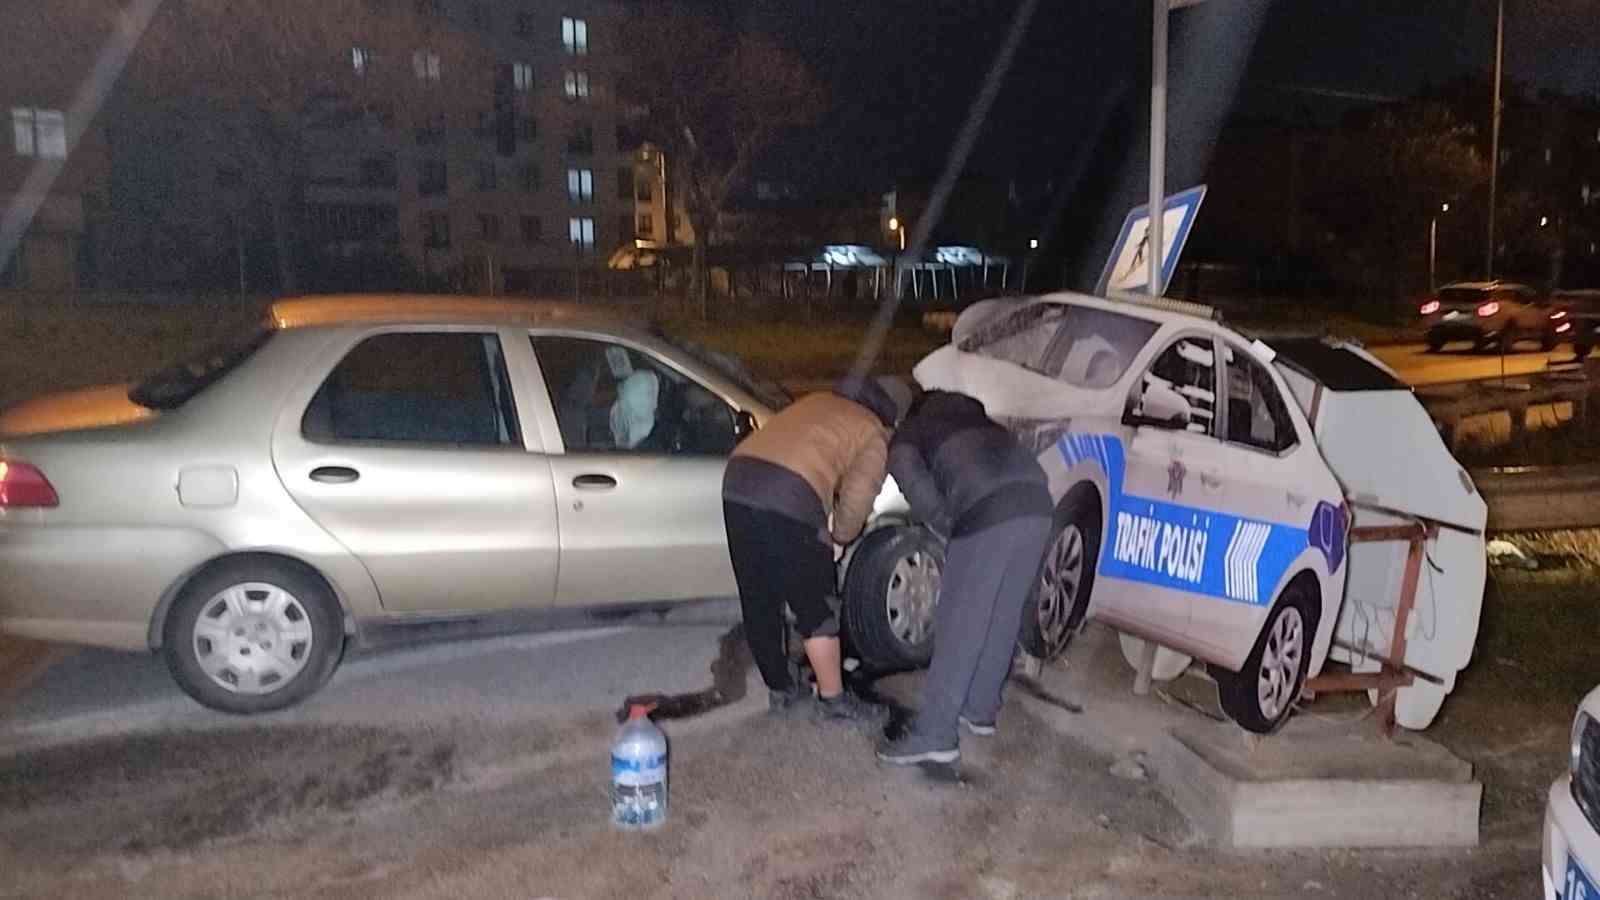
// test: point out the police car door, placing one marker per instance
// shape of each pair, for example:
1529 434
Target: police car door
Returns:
1160 525
1270 500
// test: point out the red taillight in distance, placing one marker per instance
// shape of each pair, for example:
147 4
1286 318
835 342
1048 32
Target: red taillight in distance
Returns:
1429 308
23 486
1488 309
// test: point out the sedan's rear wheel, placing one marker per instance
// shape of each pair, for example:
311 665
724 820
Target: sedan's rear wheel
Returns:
1260 696
253 635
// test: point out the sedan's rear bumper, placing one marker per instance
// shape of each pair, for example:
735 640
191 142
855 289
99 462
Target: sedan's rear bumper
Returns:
97 586
1458 330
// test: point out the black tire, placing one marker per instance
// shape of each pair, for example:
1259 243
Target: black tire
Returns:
1435 343
1548 341
279 613
893 632
1240 691
1580 352
1056 608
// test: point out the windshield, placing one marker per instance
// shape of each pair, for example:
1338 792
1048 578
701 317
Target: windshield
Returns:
1080 345
179 383
732 368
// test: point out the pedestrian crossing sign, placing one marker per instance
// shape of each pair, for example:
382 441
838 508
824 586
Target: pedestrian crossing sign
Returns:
1128 269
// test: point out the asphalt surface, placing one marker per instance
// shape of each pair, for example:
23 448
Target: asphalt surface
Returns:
572 672
1418 367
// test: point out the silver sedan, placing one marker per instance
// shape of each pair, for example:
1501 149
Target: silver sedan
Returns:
367 469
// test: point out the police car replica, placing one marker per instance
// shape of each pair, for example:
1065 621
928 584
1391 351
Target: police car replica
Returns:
1570 862
1196 509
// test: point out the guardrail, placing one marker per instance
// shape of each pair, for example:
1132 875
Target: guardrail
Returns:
1541 498
1449 403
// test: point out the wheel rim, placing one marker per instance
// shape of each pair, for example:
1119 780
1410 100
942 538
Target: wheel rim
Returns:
252 638
1280 663
911 596
1059 582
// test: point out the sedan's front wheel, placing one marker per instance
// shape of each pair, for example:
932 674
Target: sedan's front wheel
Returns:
253 635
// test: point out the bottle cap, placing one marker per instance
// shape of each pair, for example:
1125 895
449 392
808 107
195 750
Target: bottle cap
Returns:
640 710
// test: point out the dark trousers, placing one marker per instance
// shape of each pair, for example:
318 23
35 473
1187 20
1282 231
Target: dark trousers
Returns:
779 562
987 576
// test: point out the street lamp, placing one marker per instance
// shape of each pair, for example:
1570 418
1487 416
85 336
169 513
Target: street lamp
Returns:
1033 243
1433 245
899 228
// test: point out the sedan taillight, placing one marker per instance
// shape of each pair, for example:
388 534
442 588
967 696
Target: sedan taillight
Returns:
1429 308
22 485
1488 309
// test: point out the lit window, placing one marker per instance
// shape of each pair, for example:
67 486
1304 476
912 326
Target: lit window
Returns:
581 233
577 85
426 64
575 36
39 132
522 76
580 185
360 57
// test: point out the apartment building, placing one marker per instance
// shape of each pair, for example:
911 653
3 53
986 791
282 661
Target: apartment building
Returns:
507 183
54 252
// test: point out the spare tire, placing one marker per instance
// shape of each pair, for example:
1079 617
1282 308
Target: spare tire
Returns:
890 594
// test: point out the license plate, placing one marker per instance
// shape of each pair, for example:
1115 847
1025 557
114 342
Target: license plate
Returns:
1578 884
1452 314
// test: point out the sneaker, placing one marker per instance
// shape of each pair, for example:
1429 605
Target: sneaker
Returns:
849 709
981 729
788 704
914 748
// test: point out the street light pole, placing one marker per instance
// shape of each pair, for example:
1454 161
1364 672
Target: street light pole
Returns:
1158 142
1433 247
1494 130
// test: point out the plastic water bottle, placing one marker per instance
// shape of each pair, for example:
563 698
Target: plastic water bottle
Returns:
639 772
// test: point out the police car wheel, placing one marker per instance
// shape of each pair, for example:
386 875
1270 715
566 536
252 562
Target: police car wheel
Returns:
1260 696
1056 606
890 594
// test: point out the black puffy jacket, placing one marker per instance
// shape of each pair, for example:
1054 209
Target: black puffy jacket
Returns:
960 470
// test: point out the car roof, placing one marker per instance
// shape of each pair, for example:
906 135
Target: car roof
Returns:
1155 309
428 309
1485 286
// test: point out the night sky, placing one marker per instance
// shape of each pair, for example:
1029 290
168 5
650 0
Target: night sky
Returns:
901 72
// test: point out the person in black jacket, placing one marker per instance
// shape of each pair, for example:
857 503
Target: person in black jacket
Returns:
968 479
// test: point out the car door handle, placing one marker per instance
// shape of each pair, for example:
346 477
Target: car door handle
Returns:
334 474
594 482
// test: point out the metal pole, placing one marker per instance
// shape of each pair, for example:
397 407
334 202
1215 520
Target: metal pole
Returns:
1433 246
1494 140
1158 141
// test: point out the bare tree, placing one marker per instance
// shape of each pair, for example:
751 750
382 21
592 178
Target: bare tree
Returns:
713 99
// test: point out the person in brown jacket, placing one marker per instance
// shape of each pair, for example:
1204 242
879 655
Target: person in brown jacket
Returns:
803 482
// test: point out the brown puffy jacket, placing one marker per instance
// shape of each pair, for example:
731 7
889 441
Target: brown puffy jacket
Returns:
838 446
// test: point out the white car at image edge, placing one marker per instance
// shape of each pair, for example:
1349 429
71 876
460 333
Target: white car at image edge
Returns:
1571 851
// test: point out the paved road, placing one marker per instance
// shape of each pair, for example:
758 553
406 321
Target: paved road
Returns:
1419 367
579 672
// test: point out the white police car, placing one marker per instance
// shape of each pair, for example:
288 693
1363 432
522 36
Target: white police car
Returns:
1195 506
1570 861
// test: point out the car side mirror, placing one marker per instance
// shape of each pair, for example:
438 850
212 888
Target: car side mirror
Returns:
744 424
1160 406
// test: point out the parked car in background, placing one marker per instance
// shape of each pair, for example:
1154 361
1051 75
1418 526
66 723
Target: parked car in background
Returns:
1570 860
1579 313
1489 314
360 470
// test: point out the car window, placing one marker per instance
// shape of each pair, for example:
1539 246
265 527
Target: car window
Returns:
421 388
1183 375
181 382
1081 345
609 397
1257 415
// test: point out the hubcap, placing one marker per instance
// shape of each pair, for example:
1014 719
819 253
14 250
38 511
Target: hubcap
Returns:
1060 579
252 638
911 597
1280 663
